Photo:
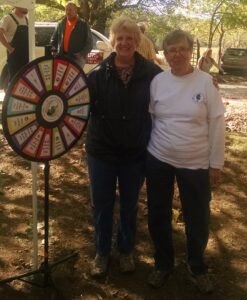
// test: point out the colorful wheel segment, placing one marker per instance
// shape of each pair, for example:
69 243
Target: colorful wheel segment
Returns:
46 108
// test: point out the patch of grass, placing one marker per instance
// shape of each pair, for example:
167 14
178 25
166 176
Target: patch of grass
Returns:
236 161
236 143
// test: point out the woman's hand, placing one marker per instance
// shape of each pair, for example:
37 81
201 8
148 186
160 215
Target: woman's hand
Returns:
214 176
10 49
54 52
215 82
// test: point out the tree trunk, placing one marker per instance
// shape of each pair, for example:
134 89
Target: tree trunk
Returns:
100 24
84 10
222 32
212 21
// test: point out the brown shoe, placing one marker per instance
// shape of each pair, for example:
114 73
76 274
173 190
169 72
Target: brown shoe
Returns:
127 263
157 278
203 283
99 265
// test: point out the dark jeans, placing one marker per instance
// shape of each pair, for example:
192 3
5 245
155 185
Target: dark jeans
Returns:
195 195
104 177
15 62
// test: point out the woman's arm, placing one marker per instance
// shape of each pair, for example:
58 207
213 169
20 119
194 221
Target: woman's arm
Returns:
216 65
200 63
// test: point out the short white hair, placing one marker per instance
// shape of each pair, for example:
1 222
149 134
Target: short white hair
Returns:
127 24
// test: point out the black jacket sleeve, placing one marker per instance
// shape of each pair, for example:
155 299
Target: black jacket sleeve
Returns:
88 41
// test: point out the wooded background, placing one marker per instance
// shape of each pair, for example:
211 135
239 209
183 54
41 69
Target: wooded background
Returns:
215 23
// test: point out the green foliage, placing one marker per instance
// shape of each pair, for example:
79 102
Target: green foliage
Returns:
229 14
42 12
205 19
45 14
156 26
5 9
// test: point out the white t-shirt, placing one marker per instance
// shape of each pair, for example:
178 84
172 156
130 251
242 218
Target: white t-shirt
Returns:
9 25
205 64
184 109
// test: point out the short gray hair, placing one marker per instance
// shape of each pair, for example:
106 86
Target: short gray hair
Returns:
178 35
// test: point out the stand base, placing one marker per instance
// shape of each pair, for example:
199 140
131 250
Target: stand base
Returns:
45 270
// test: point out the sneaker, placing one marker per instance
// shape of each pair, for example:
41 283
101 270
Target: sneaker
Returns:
127 263
203 283
99 265
158 278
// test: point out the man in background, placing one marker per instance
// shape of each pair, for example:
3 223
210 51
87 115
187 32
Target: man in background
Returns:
72 36
14 37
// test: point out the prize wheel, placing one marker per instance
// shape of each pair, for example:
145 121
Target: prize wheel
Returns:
46 108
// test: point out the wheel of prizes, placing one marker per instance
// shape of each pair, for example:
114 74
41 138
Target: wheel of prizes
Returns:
46 108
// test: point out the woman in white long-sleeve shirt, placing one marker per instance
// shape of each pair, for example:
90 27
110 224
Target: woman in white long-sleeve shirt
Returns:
186 144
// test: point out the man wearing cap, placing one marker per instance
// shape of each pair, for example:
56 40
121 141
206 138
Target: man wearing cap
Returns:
14 37
72 36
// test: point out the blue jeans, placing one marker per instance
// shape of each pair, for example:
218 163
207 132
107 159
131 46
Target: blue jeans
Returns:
104 177
195 195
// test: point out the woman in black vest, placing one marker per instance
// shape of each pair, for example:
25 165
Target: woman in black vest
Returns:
118 134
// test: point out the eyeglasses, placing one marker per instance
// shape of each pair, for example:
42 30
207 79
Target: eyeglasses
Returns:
181 51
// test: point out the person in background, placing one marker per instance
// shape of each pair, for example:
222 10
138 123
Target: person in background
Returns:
72 36
186 144
117 135
206 62
146 47
14 37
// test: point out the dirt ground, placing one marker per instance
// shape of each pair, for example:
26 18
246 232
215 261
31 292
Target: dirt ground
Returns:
71 230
